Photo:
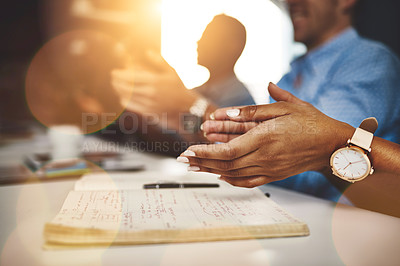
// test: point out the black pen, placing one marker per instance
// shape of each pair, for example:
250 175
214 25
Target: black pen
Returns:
179 185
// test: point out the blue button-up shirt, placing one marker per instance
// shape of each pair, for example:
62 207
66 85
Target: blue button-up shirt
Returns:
349 78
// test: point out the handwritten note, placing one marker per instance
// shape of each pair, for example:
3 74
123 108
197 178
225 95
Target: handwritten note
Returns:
137 210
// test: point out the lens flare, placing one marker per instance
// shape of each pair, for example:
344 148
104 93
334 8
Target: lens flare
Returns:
69 81
363 237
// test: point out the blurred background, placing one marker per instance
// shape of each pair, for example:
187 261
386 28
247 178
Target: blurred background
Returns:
172 27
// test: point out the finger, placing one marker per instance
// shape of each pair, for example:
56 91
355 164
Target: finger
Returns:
232 127
279 94
133 76
141 106
123 74
225 166
220 114
259 113
218 137
255 113
128 85
123 92
247 182
121 86
142 100
235 148
145 91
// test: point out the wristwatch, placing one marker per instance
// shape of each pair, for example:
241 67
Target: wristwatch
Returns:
352 163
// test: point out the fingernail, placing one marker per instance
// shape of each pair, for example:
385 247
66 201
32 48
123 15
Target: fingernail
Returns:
233 112
193 168
212 116
202 127
182 159
205 134
189 153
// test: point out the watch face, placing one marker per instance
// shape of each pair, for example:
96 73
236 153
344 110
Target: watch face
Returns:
350 163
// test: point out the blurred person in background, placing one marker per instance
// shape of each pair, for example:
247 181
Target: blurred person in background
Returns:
166 110
345 76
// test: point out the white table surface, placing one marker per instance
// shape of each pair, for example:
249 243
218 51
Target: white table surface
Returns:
340 235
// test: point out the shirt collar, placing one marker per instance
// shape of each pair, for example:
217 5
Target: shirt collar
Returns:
321 59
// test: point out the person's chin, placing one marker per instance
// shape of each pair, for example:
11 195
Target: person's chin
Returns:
299 36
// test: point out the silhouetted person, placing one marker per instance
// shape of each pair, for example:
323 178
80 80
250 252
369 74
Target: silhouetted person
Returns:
218 50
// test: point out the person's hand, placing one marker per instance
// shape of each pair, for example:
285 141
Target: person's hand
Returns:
222 129
155 92
291 137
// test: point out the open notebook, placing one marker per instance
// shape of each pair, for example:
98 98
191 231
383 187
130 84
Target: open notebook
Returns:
138 216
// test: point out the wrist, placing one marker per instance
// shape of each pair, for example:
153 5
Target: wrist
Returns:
340 136
336 135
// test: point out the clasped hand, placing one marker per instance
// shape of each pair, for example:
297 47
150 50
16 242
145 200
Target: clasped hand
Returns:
267 143
153 91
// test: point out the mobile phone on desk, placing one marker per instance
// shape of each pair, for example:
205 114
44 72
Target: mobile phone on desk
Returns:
31 171
44 169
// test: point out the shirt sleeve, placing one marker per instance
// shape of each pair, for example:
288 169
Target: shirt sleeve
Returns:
364 87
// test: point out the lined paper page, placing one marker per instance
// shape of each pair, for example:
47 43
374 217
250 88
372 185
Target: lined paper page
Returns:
164 209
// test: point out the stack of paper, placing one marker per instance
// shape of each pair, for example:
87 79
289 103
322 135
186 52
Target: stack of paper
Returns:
139 216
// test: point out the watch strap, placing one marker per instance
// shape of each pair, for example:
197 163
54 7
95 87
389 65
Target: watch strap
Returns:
364 134
369 124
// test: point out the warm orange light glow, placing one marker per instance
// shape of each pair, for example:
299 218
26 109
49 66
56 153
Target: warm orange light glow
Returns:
67 84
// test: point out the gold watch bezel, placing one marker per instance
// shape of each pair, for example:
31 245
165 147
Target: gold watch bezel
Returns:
369 171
